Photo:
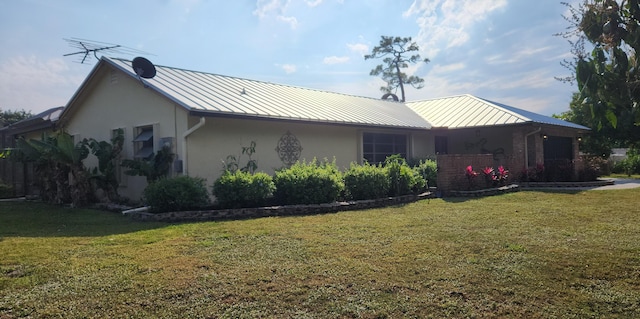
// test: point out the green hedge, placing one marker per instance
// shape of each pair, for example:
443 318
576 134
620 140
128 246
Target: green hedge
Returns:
428 169
308 183
177 194
366 181
403 180
243 189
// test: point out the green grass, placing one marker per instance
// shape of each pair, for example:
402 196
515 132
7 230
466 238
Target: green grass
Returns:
625 176
518 255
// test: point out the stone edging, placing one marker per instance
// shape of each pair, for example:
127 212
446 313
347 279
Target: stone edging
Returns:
486 191
293 210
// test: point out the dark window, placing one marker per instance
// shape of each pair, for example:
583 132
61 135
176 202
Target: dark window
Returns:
143 143
558 148
442 145
376 147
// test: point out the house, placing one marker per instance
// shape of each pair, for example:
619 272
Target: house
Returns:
206 117
19 175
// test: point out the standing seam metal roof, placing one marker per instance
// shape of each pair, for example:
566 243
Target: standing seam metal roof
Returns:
218 94
469 111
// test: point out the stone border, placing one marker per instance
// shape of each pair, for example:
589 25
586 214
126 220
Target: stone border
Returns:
598 183
293 210
486 191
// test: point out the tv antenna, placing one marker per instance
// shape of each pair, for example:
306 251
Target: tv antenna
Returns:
88 47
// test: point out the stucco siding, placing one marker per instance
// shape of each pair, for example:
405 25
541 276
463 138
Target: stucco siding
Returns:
117 101
209 146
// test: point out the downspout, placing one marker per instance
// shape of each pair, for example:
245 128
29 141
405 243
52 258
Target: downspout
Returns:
184 145
526 146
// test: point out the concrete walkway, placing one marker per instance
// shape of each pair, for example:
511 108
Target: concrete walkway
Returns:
619 183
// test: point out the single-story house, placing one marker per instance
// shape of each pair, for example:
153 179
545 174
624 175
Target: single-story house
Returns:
206 117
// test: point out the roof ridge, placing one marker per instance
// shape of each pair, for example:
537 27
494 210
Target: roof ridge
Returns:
499 106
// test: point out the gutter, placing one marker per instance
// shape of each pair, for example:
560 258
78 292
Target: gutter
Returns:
526 146
186 134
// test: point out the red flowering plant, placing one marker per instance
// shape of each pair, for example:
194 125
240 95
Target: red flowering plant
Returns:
490 176
471 175
495 177
501 175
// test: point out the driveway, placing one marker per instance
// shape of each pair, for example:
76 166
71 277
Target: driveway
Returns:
619 183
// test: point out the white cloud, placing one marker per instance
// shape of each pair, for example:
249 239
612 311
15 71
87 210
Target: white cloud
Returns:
32 83
313 3
444 69
289 68
291 21
265 7
447 23
275 9
335 59
359 48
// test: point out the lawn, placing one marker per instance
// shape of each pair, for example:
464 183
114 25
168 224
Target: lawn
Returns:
519 255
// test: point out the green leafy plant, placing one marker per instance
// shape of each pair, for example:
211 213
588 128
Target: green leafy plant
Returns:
308 183
105 175
62 176
176 194
232 163
366 181
243 189
154 168
402 179
428 169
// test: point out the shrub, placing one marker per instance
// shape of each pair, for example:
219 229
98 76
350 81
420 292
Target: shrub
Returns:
594 167
6 191
402 179
428 169
629 165
308 183
176 194
366 181
243 189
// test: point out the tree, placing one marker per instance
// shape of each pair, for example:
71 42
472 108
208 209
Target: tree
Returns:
395 51
8 117
609 77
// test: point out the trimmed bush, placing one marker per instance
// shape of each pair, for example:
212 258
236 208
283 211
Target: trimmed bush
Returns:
428 169
176 194
308 183
366 181
243 189
402 179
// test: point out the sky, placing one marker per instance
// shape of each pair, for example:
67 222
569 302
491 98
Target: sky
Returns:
500 50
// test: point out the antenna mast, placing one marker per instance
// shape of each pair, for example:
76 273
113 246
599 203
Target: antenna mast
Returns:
87 47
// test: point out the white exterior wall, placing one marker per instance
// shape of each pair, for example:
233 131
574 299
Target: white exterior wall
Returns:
118 101
220 137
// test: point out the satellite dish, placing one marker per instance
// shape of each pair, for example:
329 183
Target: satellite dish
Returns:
390 95
143 68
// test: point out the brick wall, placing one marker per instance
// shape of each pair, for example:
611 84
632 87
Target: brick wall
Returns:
451 170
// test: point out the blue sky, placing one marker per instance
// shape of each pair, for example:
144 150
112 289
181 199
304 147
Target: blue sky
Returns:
501 50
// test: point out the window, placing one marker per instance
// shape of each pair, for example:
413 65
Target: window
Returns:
143 142
376 147
442 145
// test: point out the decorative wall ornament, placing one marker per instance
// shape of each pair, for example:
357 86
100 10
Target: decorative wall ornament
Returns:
289 149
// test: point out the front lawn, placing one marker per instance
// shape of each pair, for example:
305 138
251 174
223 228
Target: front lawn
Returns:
519 255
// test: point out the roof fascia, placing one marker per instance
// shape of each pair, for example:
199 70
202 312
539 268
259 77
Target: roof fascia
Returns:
303 121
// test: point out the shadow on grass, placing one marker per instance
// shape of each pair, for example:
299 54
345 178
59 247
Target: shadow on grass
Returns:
461 199
30 219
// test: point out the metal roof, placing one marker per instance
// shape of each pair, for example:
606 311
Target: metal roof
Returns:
464 111
218 94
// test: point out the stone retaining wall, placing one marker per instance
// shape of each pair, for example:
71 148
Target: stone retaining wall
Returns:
293 210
